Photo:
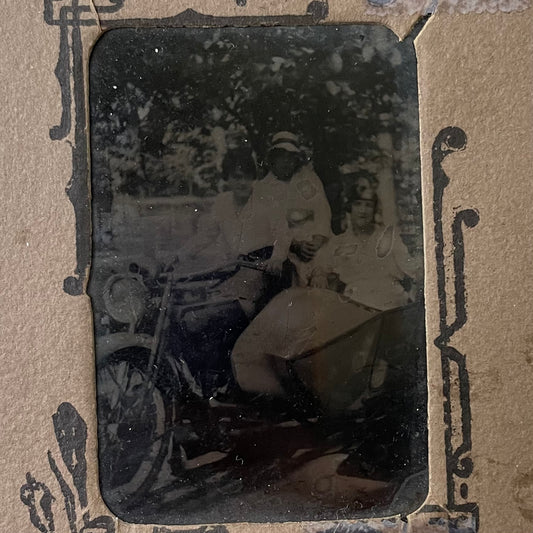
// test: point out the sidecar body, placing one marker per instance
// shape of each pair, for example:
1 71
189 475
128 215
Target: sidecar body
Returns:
342 351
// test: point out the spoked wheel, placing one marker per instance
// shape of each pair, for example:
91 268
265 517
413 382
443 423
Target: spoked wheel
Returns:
134 417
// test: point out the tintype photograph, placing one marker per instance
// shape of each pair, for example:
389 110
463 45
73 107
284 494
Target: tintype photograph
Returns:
257 274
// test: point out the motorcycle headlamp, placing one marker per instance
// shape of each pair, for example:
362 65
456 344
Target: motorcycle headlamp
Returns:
125 297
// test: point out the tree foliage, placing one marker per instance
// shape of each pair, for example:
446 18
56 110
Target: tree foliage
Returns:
166 104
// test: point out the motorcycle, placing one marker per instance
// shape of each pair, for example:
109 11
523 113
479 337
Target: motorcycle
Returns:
348 381
142 380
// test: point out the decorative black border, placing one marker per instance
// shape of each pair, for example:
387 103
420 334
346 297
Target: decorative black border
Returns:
459 464
70 74
71 435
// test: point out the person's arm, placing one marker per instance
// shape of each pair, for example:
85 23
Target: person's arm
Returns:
319 278
323 275
322 212
282 243
279 227
406 265
206 234
310 193
319 204
305 250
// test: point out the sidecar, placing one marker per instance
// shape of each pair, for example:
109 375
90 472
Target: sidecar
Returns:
341 350
362 370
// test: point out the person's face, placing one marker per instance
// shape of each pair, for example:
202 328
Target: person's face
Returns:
284 164
240 184
362 214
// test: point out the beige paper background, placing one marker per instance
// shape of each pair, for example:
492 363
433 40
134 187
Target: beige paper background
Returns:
484 86
475 72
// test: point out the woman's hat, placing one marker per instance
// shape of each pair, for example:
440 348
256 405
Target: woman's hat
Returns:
285 140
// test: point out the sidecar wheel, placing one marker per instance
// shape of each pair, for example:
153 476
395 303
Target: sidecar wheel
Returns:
134 419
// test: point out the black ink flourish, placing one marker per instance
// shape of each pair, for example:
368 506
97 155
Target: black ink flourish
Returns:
38 498
458 461
71 434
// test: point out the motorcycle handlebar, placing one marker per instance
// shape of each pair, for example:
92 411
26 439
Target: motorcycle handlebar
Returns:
213 273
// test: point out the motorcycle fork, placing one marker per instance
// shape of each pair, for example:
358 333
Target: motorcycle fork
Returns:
154 359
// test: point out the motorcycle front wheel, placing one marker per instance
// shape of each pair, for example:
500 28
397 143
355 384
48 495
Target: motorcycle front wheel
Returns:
134 420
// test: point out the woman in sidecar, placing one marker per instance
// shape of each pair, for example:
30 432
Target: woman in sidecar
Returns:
328 335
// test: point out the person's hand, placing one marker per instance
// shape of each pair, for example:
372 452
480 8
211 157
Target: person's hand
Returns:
319 280
335 283
173 263
305 250
274 266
